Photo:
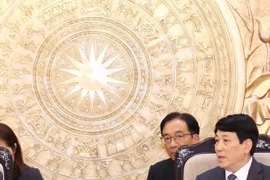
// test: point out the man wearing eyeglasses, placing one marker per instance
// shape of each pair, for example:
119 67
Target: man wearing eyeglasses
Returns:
177 129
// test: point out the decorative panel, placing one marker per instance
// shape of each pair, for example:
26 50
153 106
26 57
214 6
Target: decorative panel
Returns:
85 83
253 21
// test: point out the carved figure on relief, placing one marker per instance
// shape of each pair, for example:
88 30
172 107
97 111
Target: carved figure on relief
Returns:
189 16
140 153
125 162
14 29
27 12
257 55
5 48
102 167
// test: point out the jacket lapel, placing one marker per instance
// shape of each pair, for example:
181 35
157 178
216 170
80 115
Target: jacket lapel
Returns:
255 171
220 173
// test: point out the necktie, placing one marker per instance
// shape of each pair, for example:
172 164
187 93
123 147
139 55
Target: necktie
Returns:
232 177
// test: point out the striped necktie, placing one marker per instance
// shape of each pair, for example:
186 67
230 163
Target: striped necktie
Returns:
232 177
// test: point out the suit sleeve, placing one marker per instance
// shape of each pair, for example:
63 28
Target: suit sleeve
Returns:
150 174
38 175
34 174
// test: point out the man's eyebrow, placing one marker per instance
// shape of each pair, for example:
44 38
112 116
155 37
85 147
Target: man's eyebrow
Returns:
166 134
179 132
225 135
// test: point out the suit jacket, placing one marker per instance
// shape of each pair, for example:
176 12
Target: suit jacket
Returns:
29 173
257 171
163 170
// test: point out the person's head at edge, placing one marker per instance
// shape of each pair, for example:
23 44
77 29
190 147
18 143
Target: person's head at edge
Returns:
9 140
178 129
236 138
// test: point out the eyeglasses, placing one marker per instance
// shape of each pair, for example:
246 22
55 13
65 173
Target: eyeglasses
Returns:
178 138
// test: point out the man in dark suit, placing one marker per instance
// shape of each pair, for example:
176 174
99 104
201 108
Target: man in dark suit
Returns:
236 139
177 129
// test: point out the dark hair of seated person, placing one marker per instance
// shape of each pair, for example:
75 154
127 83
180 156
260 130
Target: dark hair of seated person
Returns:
192 123
244 127
11 141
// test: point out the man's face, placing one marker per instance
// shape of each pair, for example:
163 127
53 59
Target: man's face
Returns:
176 127
230 153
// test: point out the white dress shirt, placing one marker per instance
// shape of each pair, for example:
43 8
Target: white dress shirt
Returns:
242 173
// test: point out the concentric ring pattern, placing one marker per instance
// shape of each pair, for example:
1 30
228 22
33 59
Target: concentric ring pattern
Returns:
85 83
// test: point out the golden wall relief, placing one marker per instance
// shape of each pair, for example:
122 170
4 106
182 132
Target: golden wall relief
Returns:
85 83
253 21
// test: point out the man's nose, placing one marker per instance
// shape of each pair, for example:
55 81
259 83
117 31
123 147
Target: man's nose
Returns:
218 147
173 143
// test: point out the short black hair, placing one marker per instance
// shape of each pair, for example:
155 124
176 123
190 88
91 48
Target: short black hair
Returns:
192 123
243 125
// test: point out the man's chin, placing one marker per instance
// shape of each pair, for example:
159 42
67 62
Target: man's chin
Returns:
221 165
172 155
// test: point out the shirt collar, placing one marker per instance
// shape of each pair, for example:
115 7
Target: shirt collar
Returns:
242 173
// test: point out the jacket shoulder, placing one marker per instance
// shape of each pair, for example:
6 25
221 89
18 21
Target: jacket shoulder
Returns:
30 173
162 170
266 169
162 164
210 174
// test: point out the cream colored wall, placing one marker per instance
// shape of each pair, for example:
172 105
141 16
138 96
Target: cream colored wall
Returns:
85 83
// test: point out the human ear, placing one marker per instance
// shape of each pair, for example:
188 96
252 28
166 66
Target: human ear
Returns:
196 138
247 146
